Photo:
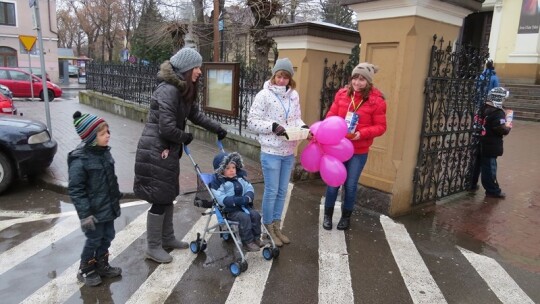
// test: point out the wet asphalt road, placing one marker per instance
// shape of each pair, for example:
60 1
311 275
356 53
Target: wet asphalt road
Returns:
375 260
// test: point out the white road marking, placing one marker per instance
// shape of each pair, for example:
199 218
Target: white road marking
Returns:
254 279
335 283
33 245
500 282
421 285
59 289
160 284
24 217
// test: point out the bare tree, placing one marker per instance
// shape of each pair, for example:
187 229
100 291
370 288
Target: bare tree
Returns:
263 11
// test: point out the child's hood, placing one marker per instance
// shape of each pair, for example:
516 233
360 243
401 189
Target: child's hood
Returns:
223 159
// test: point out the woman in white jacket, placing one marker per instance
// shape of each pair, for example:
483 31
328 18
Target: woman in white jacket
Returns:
275 108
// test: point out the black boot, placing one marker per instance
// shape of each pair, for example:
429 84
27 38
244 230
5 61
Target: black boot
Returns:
345 220
327 222
87 273
104 269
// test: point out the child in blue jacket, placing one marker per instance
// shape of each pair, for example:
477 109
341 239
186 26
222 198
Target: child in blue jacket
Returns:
232 190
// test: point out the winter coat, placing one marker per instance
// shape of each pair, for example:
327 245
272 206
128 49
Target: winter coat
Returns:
157 179
493 79
234 192
493 129
93 186
275 104
372 116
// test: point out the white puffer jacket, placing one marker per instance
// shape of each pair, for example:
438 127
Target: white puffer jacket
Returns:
275 104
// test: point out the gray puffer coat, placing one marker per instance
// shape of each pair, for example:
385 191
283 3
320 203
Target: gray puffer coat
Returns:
157 178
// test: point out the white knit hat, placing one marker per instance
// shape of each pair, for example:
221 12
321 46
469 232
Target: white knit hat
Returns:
283 64
186 59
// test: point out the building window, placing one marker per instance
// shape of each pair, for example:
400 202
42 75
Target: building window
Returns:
8 57
7 13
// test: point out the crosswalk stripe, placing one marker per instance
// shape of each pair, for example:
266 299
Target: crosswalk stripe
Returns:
497 278
59 289
335 283
30 247
24 217
160 284
255 278
421 285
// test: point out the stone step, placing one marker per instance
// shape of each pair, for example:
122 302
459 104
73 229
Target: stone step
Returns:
529 116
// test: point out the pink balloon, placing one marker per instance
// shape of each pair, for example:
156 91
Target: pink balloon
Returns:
314 127
331 130
343 151
311 157
333 171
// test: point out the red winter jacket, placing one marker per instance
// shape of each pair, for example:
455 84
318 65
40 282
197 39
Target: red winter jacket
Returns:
372 113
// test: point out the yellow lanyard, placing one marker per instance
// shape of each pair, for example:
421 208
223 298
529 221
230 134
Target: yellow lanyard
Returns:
354 105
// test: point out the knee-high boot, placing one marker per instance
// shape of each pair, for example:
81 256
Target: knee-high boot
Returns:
169 241
154 231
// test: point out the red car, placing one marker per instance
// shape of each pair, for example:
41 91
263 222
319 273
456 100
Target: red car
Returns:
20 82
6 105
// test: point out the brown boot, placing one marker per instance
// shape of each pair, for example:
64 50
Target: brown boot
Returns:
279 234
270 228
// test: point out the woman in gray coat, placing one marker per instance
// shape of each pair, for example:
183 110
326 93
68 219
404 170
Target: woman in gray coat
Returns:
157 166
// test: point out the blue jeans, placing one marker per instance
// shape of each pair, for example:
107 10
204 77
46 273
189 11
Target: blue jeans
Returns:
489 175
277 174
98 241
354 167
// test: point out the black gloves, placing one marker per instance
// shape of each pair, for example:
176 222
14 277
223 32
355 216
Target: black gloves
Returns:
305 127
279 130
189 139
221 133
241 200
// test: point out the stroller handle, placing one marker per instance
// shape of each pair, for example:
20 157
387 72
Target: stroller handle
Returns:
219 144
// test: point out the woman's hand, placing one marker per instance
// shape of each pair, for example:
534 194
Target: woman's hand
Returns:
353 136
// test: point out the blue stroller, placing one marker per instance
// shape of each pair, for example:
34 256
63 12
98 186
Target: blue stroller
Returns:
227 230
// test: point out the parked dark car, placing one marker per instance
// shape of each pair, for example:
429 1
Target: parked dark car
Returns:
20 82
26 149
6 105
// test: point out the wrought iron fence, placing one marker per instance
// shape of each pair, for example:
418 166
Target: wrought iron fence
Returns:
335 77
453 96
135 83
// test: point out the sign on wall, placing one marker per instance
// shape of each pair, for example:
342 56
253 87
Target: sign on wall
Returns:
529 21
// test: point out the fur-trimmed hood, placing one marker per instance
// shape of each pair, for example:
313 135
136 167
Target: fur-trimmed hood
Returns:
168 75
223 159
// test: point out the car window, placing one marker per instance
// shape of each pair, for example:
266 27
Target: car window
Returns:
16 75
4 74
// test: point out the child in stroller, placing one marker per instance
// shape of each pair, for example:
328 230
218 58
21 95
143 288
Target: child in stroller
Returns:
232 191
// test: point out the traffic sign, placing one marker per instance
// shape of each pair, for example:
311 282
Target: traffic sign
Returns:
28 41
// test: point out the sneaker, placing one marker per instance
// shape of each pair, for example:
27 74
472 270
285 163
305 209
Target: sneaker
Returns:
252 247
91 278
499 195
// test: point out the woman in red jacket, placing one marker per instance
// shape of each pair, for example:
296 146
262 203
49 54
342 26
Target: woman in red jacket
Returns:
358 102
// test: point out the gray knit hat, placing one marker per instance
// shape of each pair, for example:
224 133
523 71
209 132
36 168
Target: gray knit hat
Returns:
283 64
186 59
366 69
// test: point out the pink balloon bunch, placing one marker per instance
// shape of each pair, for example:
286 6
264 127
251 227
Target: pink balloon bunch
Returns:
327 151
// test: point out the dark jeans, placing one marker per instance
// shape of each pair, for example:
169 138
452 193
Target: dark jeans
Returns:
98 241
354 167
489 175
249 225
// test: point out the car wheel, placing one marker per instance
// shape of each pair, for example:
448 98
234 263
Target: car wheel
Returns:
51 95
6 172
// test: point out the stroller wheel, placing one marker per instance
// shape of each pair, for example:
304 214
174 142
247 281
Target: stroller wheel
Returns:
234 268
267 253
243 265
203 246
226 236
275 252
194 246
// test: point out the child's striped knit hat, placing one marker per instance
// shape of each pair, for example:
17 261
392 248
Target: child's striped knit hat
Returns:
86 126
